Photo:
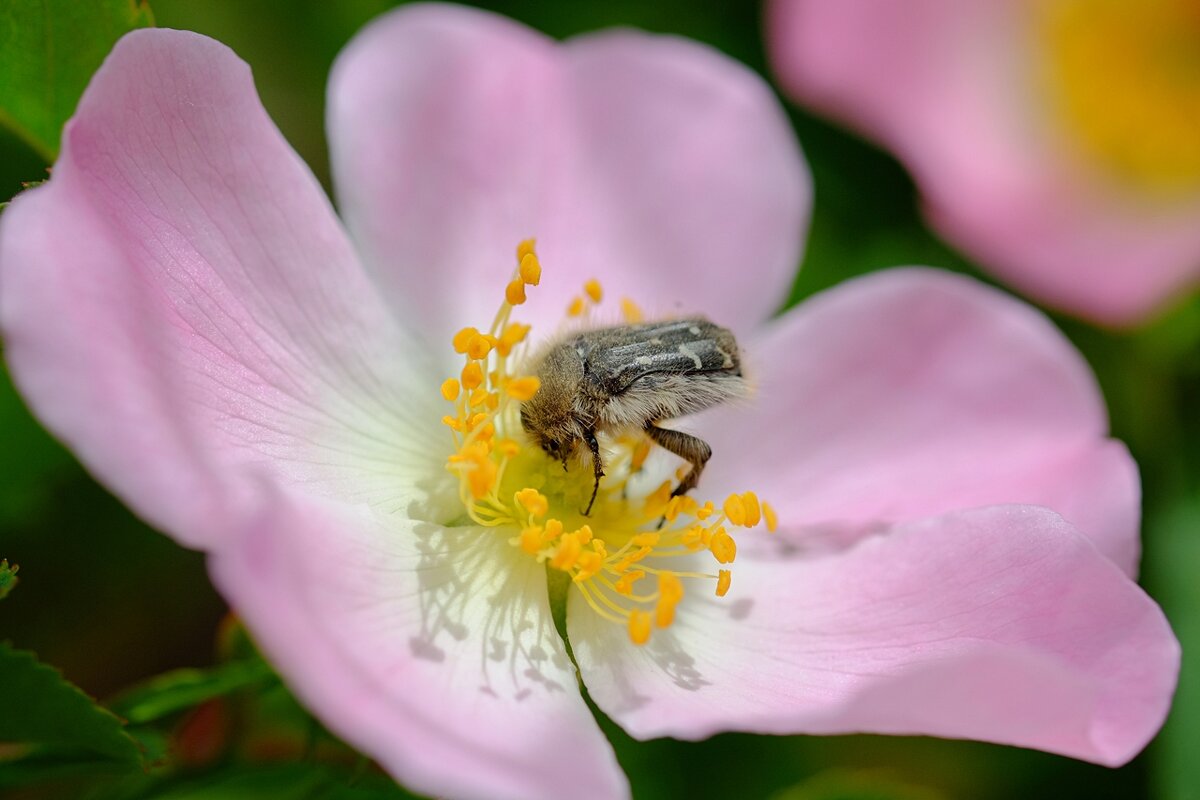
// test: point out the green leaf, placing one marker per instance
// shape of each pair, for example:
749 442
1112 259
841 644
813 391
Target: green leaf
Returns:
8 577
49 49
282 782
1173 551
37 705
29 459
184 688
845 785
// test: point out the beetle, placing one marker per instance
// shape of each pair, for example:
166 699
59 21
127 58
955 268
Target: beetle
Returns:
626 378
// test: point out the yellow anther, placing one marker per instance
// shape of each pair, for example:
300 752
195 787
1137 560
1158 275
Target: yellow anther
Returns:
450 389
753 509
600 548
585 534
493 401
477 420
631 559
693 537
576 306
639 626
526 247
588 565
735 510
592 287
533 501
724 577
624 584
478 397
630 311
514 293
568 552
530 269
507 448
481 479
723 547
705 511
664 614
452 422
656 501
479 346
463 338
554 529
514 333
487 431
640 453
522 389
674 507
769 515
646 539
670 588
531 539
472 375
477 451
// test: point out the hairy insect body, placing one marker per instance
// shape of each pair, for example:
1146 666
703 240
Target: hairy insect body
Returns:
631 377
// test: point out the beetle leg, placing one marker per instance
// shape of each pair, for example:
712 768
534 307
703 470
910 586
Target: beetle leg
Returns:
690 448
597 466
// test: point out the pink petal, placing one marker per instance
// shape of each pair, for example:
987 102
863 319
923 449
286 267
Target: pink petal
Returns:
1001 624
946 86
659 166
914 392
180 302
431 649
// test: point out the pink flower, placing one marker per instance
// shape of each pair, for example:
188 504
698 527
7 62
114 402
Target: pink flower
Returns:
1054 142
181 305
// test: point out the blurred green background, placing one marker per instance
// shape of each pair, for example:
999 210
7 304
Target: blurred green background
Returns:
112 603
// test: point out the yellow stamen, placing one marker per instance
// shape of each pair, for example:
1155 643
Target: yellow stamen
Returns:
631 312
624 584
576 307
568 552
463 338
533 501
472 375
479 346
1122 81
753 509
724 578
524 248
723 547
450 389
514 293
769 515
592 287
531 269
735 510
531 539
639 626
522 389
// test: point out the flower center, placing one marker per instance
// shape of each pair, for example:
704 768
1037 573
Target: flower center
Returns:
620 555
1124 78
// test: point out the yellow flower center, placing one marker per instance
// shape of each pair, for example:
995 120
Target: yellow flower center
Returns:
618 556
1123 77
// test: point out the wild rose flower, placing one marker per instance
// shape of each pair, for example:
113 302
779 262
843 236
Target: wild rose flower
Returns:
182 307
1054 142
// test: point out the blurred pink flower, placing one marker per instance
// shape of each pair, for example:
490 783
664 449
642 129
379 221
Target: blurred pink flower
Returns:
1055 142
182 307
